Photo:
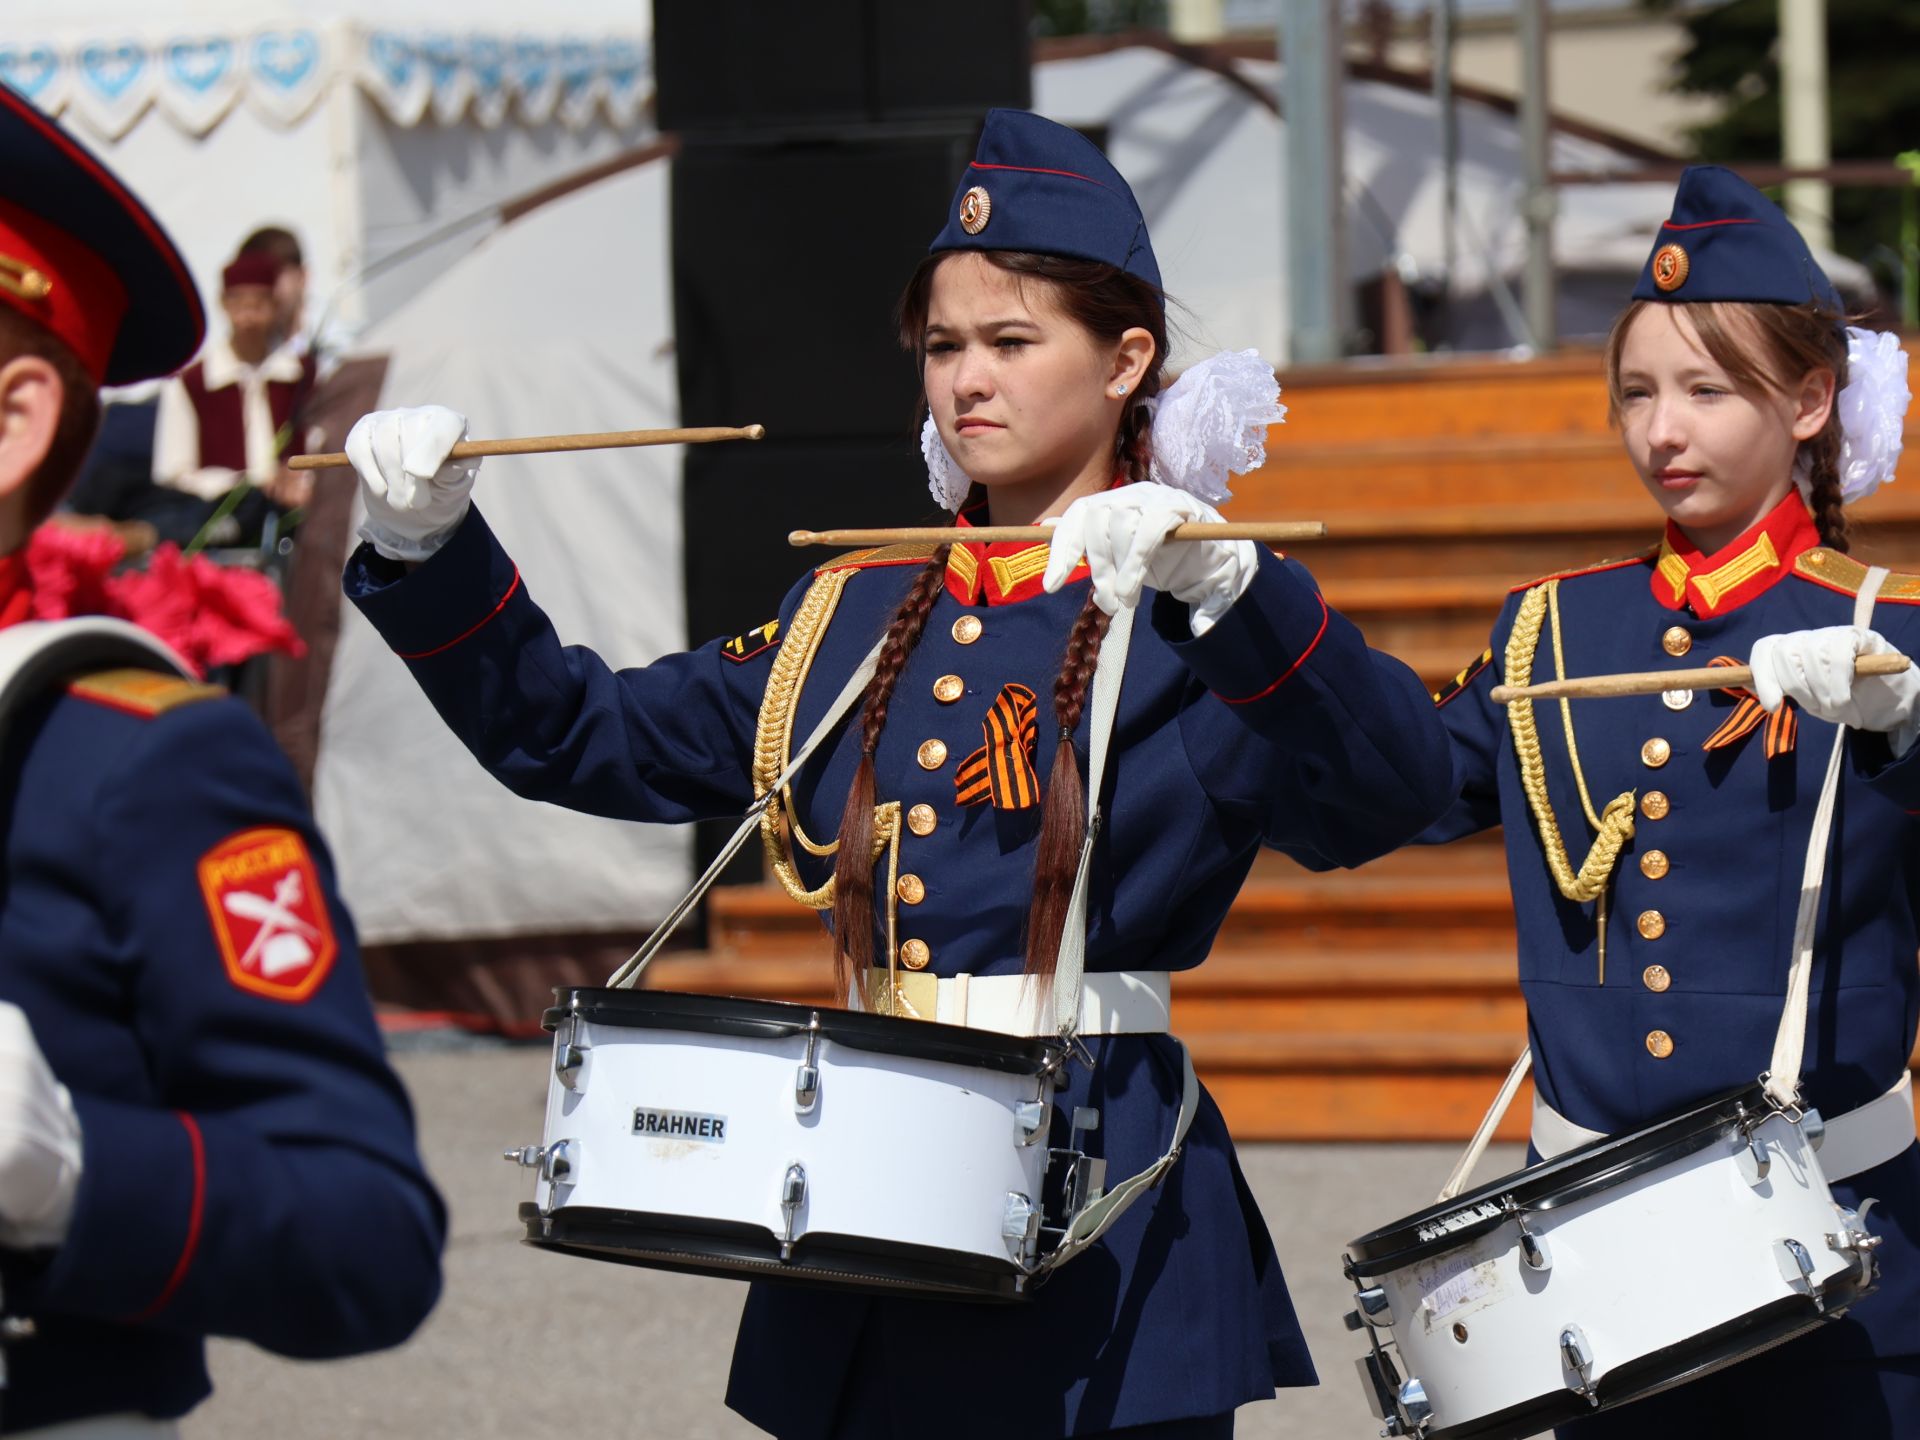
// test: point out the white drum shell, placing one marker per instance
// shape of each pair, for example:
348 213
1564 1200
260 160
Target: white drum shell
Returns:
1654 1262
897 1149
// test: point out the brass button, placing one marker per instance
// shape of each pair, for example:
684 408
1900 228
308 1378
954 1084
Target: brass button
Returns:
911 889
1659 1044
949 688
932 754
1656 978
1652 924
915 955
1676 641
1655 805
921 819
1654 864
1655 753
966 629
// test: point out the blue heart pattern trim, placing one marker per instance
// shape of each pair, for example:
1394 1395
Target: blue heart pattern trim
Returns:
200 64
393 57
29 69
284 59
112 69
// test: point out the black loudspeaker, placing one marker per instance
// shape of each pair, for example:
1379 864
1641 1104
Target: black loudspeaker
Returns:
787 263
741 500
734 65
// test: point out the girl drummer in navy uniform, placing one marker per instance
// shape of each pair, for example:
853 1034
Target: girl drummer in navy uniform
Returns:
1655 844
1250 713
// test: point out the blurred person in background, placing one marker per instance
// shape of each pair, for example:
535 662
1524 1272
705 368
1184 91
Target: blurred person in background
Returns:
199 1132
232 417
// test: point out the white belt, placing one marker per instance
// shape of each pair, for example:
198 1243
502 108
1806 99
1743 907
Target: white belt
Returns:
107 1427
1112 1002
1866 1136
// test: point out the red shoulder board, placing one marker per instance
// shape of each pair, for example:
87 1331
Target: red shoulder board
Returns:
1638 558
145 693
744 647
269 915
885 555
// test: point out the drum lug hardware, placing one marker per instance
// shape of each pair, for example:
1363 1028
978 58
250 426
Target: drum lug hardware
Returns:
1577 1355
1854 1239
1029 1121
570 1051
1415 1411
806 1081
1533 1248
1796 1268
793 1194
558 1164
1754 1160
1020 1225
1370 1307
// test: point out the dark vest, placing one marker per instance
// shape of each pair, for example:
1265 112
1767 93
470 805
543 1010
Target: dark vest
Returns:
223 439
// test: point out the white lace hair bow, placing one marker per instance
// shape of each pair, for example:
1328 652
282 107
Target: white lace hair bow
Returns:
1211 421
1873 411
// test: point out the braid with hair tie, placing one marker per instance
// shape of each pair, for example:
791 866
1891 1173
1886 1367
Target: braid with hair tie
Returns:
1824 497
1063 815
853 864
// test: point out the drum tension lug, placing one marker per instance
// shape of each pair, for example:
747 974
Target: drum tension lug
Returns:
1855 1240
793 1194
1370 1307
806 1080
570 1051
1577 1355
1533 1247
1796 1268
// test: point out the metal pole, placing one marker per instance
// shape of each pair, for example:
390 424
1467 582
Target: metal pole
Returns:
1804 133
1539 203
1312 179
1443 30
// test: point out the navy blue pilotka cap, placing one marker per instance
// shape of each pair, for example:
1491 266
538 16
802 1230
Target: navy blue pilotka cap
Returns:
1040 187
1724 240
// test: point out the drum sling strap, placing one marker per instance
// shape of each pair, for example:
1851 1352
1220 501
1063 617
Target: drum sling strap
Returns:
1853 1137
1096 1217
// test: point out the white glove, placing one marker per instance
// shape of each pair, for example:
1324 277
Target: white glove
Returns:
1814 669
415 498
39 1141
1123 534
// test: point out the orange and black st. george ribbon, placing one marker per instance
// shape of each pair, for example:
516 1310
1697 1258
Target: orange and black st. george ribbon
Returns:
1783 726
1002 770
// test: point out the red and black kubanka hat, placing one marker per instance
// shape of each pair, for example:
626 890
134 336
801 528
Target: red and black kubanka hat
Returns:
1040 187
81 256
1724 240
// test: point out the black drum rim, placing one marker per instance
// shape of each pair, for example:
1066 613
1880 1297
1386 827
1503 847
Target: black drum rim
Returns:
753 1018
1551 1184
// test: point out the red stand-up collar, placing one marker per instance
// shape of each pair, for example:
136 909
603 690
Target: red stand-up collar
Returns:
16 589
1730 577
999 574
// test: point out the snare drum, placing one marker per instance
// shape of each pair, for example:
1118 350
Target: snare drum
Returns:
761 1140
1606 1274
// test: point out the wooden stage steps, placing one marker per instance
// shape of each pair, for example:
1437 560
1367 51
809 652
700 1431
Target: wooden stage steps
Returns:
1377 1004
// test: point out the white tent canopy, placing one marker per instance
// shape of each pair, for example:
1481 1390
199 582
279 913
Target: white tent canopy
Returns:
429 846
365 126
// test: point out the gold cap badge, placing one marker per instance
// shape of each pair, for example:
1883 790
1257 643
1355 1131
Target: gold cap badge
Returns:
1670 266
976 208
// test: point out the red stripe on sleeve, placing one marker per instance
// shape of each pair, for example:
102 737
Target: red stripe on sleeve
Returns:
471 630
195 1215
1319 635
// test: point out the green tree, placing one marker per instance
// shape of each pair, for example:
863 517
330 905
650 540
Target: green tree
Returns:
1083 17
1873 67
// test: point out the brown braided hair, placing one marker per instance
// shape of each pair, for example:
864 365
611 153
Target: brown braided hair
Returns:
1767 348
1106 301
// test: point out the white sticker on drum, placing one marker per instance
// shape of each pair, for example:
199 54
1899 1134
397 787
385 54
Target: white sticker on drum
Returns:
679 1125
1452 1283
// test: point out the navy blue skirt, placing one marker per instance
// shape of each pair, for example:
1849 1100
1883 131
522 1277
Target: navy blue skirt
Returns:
1179 1313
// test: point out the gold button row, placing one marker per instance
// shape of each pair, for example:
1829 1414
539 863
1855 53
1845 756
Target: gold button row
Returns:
1654 865
966 629
1676 641
932 754
921 820
949 688
915 955
1655 805
1659 1044
1655 753
1652 924
911 888
1656 978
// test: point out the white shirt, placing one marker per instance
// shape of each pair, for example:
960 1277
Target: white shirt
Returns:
176 426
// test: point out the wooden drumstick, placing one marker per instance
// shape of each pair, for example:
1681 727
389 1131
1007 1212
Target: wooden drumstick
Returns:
554 444
1657 682
1267 533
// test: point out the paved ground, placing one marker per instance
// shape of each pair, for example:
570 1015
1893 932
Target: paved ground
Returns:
527 1344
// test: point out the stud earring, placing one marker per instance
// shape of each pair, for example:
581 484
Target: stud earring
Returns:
1119 389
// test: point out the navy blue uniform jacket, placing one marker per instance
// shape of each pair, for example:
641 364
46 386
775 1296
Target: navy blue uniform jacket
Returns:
249 1161
1320 747
1701 909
